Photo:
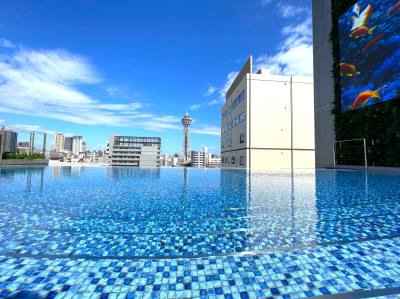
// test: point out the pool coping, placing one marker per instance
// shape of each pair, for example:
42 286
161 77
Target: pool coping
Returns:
363 294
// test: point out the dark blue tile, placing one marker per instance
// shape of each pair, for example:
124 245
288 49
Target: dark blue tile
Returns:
244 295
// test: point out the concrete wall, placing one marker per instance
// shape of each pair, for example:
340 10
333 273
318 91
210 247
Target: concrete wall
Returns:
282 122
270 112
323 84
150 156
24 162
279 123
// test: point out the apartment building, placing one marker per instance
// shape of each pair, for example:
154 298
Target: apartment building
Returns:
59 142
198 158
267 122
68 141
134 151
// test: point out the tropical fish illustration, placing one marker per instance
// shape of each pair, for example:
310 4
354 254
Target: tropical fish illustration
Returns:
363 97
394 8
373 42
357 9
347 69
362 18
361 31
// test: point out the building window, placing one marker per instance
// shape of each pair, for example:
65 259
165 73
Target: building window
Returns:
241 117
222 145
241 160
229 143
241 138
233 159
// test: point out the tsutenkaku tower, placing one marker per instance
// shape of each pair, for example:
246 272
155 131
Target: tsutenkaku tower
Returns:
186 122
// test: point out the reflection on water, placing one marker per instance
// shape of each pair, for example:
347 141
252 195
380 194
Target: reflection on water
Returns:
120 173
59 171
134 212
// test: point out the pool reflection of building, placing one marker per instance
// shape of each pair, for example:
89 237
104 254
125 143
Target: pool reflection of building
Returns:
120 172
277 211
354 206
33 175
72 170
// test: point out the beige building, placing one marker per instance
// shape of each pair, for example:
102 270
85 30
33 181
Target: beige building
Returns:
267 122
59 142
134 151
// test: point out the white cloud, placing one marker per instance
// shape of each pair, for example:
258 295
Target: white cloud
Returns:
5 43
289 10
265 2
119 92
207 130
46 83
35 128
220 92
210 91
214 102
228 82
195 107
295 55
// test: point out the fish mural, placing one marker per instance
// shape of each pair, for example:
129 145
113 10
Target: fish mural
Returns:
373 42
361 31
394 8
347 69
361 19
369 40
363 98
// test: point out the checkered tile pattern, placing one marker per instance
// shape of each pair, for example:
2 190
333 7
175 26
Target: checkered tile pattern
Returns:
288 274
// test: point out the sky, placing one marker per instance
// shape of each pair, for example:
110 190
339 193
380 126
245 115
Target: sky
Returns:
98 68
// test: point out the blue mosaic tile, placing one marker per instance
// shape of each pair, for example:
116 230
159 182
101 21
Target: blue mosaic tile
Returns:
175 233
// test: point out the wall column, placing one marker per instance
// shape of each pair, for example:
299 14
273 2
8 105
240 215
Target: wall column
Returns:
1 145
31 143
44 145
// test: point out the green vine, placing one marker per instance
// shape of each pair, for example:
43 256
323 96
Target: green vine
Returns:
379 123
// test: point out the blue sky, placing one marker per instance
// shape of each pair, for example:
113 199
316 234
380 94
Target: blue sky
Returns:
93 68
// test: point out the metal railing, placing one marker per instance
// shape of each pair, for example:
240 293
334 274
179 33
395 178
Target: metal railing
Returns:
350 152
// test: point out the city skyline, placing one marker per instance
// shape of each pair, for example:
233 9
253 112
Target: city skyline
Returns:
140 72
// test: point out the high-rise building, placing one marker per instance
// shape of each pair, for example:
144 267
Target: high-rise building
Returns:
186 122
59 142
78 146
205 151
267 122
68 144
134 151
9 141
198 159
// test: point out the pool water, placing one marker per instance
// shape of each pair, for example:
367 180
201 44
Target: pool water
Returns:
96 232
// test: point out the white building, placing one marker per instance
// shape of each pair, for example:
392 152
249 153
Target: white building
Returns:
198 158
134 151
175 161
164 160
267 122
213 161
78 146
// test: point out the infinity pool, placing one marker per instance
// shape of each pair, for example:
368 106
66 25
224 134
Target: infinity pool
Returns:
102 232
